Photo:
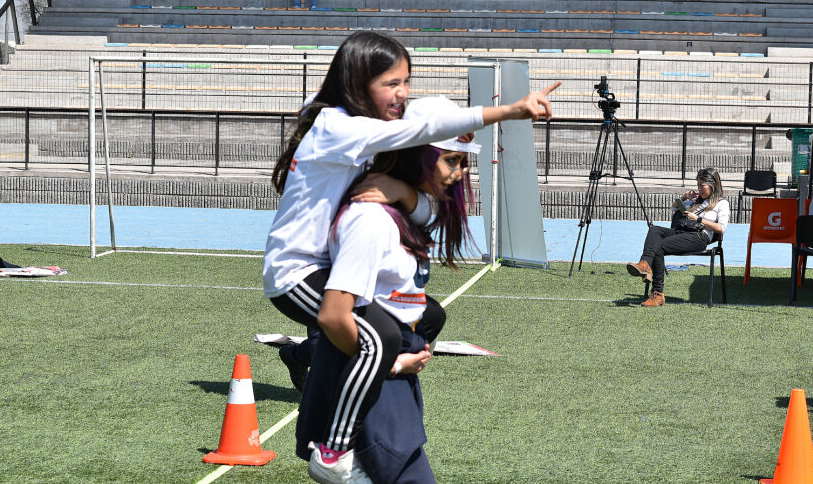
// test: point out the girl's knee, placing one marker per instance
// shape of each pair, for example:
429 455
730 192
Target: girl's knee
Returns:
391 338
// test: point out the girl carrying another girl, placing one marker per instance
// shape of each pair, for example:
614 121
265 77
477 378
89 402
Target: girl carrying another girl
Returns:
380 265
354 116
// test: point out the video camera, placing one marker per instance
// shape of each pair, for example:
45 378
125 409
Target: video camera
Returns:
608 104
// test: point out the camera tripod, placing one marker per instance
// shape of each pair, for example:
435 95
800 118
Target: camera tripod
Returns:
608 127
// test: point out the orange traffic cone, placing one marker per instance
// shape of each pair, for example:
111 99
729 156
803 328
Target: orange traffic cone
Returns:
240 436
795 462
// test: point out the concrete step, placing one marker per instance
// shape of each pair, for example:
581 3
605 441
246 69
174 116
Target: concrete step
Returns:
63 42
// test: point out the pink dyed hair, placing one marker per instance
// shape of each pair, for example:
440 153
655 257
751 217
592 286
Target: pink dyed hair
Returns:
451 221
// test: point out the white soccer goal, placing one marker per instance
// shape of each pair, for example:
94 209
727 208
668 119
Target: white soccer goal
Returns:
122 67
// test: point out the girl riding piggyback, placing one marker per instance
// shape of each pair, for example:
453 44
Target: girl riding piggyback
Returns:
355 115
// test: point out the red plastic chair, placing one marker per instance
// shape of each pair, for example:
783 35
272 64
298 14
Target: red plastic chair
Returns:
773 220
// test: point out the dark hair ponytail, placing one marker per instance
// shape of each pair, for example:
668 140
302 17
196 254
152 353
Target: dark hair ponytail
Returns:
361 58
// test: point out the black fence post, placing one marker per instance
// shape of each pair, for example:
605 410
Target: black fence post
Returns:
547 150
14 23
144 81
217 143
683 156
27 137
638 89
753 146
304 79
809 91
152 145
281 134
33 12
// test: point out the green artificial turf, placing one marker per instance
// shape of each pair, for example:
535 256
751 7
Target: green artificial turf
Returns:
118 372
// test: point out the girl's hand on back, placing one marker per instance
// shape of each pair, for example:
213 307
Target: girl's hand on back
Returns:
381 188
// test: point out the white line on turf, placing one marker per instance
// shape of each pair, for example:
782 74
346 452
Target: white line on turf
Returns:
138 284
443 303
467 285
209 254
282 423
214 475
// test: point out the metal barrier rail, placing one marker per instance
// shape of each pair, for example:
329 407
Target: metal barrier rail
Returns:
217 121
650 87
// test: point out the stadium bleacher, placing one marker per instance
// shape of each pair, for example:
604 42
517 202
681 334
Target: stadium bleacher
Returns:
52 71
721 26
682 61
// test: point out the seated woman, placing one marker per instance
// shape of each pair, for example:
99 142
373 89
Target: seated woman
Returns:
706 206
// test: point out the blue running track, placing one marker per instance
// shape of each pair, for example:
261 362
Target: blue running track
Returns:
221 229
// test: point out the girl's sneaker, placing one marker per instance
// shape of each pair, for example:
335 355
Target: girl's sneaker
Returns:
334 467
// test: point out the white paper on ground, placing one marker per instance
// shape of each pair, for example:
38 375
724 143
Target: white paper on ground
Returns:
277 339
444 347
31 271
461 348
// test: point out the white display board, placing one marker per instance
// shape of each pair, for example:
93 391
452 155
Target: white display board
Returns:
519 231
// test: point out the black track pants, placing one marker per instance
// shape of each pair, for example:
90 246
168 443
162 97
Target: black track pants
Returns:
361 379
661 241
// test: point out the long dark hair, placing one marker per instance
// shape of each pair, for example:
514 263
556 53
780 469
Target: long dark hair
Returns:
450 219
361 58
711 177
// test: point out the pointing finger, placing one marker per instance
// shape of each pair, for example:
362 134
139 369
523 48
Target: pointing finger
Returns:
551 88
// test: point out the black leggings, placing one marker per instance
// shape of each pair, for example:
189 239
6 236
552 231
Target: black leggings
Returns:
661 241
361 379
302 303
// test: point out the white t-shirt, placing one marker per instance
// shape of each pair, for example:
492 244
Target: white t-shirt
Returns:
369 262
719 214
331 155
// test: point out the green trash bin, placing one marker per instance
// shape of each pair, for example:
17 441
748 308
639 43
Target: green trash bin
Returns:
800 139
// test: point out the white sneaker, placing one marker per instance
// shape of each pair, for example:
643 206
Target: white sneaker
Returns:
344 471
357 474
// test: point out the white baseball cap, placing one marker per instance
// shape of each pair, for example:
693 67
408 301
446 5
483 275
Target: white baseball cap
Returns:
429 106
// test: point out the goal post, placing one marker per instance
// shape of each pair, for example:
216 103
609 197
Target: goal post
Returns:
491 69
92 160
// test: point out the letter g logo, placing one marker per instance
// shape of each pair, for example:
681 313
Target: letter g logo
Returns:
775 219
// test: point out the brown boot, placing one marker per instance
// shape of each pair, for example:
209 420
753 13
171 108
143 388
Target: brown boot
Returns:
641 269
655 299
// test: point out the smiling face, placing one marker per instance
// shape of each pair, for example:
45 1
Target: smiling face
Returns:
389 91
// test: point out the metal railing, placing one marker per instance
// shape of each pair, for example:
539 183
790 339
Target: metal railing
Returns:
696 88
670 150
210 141
9 4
